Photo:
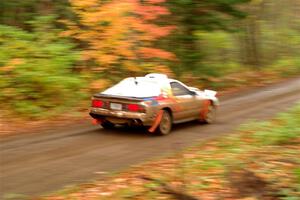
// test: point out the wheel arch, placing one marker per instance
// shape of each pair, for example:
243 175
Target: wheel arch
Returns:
169 110
215 102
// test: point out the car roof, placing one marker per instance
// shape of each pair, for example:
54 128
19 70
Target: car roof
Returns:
162 77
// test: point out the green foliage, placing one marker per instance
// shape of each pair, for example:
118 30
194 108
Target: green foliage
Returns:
18 13
13 196
297 173
286 67
36 75
287 129
220 55
287 195
126 193
192 16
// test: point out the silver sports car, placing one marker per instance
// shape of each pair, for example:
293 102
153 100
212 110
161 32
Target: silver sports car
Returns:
155 101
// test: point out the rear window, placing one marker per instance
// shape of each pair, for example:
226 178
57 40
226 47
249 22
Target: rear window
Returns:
135 87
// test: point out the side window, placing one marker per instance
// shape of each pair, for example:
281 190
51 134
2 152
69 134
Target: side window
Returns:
178 89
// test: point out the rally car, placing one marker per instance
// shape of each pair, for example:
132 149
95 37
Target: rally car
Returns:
154 101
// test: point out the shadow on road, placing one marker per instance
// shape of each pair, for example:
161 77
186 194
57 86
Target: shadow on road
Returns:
142 132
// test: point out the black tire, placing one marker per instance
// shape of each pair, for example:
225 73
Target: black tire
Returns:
107 125
210 117
165 125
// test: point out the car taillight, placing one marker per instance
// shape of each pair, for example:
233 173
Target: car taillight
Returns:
135 108
97 103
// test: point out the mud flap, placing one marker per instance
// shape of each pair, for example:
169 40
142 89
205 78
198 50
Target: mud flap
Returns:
204 111
156 121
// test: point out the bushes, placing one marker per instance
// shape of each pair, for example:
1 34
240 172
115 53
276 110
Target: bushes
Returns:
36 74
287 129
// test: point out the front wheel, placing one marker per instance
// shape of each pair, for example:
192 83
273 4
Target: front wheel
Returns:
210 115
165 125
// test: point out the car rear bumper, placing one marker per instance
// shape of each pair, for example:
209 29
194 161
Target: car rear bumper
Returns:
120 116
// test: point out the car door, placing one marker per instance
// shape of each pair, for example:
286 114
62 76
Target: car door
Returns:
186 102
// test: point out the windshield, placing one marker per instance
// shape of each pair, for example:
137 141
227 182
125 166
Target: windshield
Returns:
135 87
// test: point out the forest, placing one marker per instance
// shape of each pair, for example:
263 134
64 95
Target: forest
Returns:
55 53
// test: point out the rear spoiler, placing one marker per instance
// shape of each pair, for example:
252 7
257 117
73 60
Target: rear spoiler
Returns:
105 96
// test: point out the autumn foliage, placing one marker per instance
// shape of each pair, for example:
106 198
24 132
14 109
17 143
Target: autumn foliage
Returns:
118 36
56 53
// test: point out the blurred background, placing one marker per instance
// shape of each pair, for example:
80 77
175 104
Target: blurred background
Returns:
55 53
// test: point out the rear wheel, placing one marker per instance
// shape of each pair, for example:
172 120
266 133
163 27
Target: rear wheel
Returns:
165 125
107 125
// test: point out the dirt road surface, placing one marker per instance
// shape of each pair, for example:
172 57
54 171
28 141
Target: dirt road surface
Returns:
35 164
